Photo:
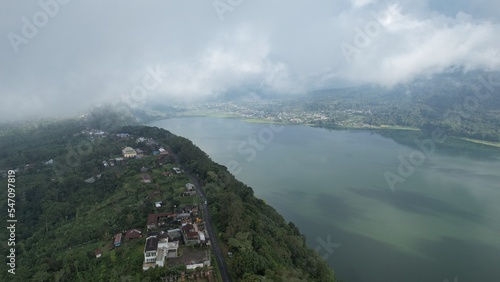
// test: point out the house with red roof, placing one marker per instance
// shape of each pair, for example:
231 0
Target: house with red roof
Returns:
133 234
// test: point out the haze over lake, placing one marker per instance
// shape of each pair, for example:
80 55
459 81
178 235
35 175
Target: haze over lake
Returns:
441 223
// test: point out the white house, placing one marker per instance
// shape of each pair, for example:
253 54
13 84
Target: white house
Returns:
157 250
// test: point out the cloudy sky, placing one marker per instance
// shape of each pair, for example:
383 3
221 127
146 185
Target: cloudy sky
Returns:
61 56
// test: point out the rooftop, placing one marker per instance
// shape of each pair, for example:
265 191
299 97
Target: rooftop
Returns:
128 150
118 238
152 219
151 244
133 233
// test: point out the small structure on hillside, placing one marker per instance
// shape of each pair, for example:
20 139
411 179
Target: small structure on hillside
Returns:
190 187
146 178
163 152
190 234
90 180
152 221
118 240
133 234
129 152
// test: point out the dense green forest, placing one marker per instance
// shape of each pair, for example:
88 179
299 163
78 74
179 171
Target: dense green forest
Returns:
62 219
462 105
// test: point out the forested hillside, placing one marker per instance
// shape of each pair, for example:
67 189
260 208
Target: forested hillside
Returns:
68 205
463 105
263 244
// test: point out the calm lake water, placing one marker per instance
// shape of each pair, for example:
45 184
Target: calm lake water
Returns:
441 223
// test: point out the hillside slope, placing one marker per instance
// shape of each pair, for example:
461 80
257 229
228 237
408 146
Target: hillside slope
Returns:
63 219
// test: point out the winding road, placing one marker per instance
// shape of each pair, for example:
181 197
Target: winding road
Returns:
223 269
211 230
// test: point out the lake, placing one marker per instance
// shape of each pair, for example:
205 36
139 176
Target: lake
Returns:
439 221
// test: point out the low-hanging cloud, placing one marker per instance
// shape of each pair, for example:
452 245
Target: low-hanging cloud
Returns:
90 52
408 46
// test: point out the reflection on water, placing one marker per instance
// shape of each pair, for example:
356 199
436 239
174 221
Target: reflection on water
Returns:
441 222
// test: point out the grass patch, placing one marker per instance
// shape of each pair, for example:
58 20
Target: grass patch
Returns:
483 142
395 127
215 267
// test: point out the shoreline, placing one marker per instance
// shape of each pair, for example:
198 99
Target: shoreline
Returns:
332 126
482 142
266 121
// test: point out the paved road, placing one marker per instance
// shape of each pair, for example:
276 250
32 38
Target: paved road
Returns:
211 232
223 269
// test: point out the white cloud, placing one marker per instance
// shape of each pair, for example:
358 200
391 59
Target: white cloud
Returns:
236 60
361 3
93 52
410 46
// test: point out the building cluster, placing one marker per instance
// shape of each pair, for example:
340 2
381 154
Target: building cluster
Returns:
168 230
129 152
